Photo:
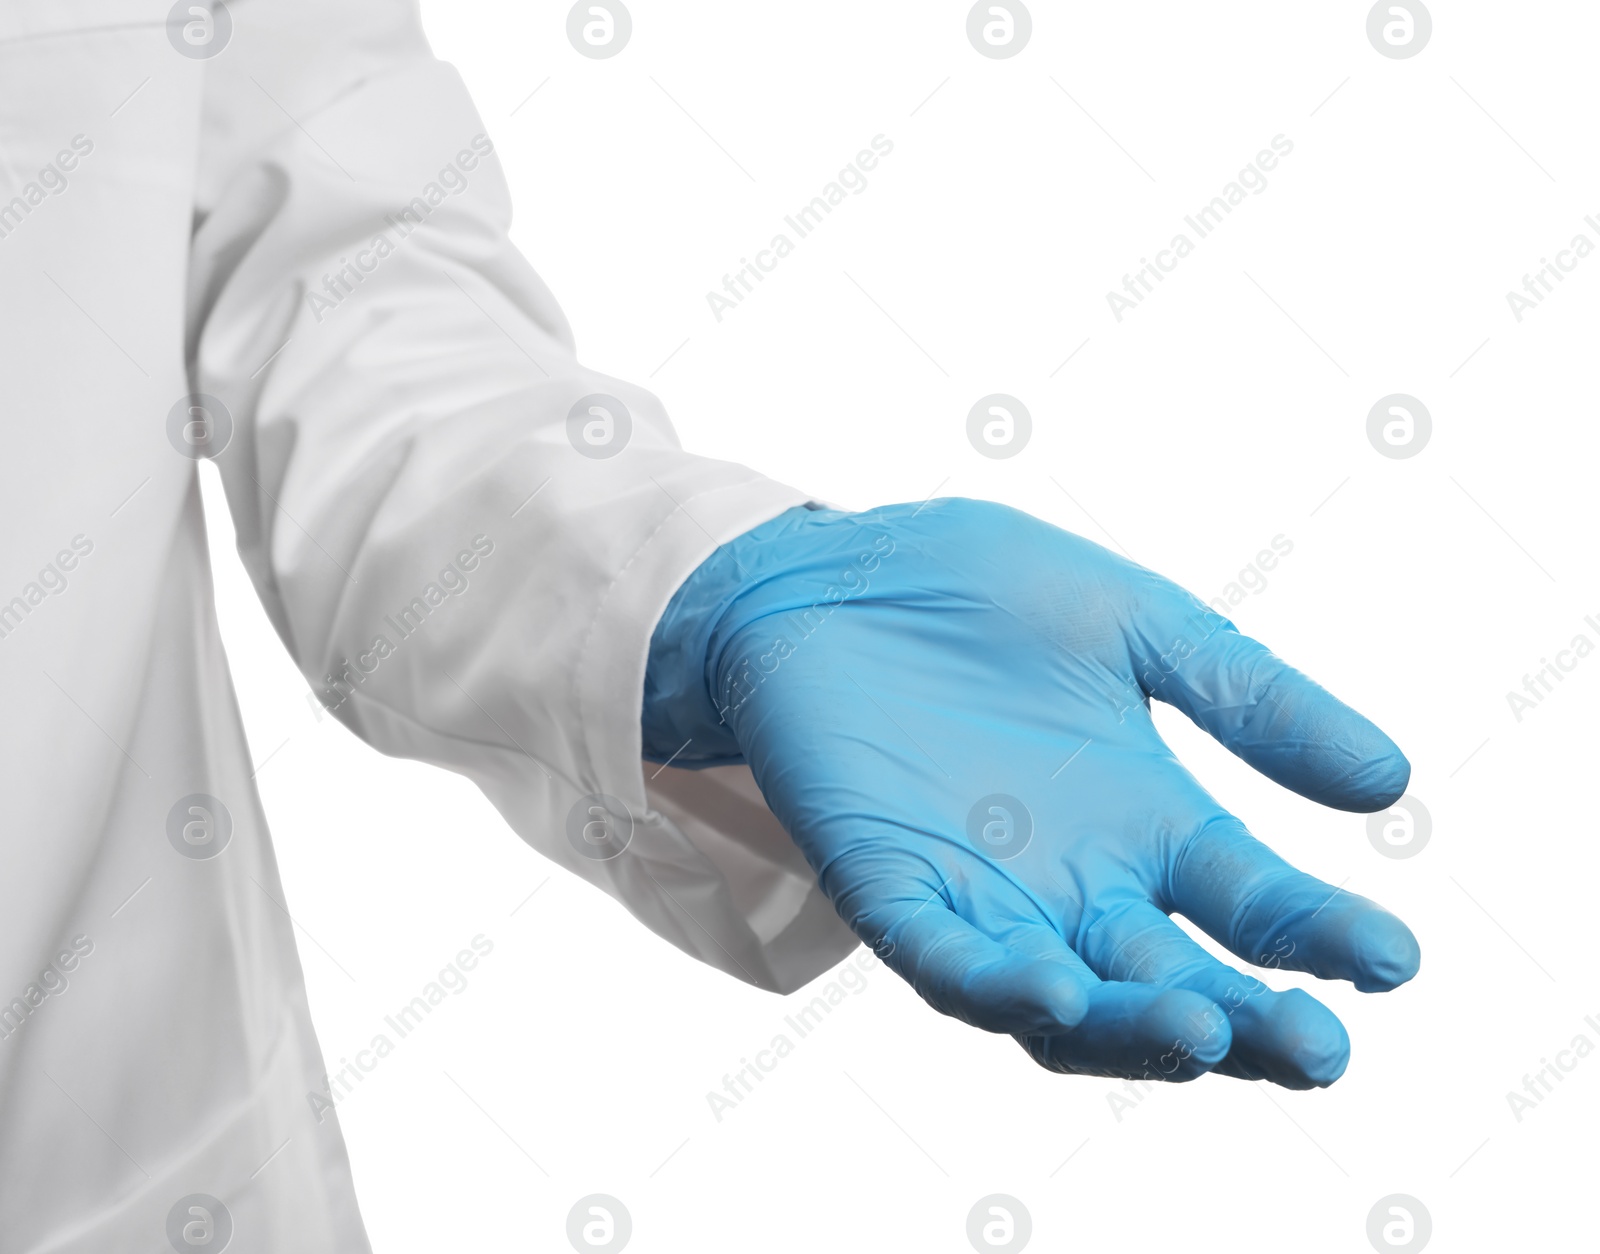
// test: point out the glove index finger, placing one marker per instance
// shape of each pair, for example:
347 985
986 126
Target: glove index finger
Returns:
1280 721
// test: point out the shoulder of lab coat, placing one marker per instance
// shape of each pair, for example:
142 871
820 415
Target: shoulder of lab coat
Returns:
456 580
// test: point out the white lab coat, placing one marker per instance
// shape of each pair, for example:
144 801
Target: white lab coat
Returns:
154 1035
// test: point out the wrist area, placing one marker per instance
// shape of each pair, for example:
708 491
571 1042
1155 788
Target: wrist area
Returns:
680 721
741 612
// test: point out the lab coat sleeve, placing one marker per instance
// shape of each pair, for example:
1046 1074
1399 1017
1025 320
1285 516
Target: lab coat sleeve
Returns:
389 390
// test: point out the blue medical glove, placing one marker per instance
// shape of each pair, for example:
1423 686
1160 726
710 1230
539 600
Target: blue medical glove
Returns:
947 707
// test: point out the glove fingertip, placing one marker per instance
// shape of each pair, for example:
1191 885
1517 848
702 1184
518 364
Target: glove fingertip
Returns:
1213 1047
1200 1030
1067 999
1310 1048
1387 954
1379 781
1046 998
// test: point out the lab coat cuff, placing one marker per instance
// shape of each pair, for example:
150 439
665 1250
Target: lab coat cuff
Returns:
722 879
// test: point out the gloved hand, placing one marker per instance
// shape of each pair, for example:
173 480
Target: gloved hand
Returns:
946 706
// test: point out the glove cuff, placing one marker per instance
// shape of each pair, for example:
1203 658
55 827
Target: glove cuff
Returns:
681 722
705 664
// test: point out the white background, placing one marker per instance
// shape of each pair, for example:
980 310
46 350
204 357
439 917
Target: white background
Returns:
1229 408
